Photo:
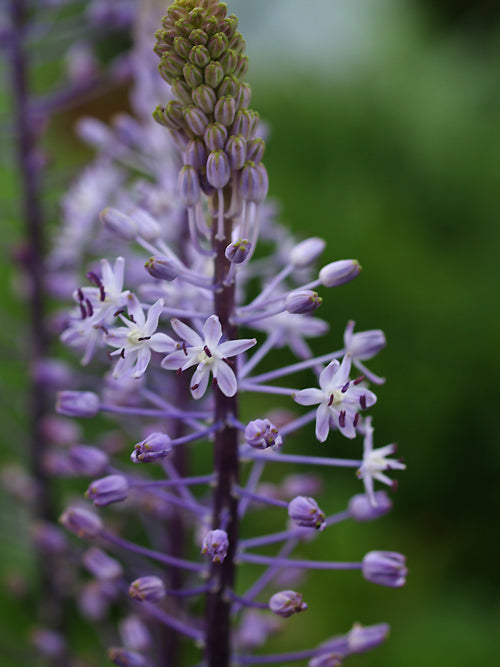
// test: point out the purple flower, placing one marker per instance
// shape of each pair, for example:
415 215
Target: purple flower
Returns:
385 568
215 545
364 638
305 512
287 603
209 354
77 403
261 434
81 522
154 448
147 589
339 400
107 490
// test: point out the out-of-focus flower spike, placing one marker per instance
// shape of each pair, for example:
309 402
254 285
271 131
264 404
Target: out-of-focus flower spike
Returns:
81 522
147 589
307 252
107 490
386 568
77 404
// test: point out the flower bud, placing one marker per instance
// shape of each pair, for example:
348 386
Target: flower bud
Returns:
225 110
229 25
118 223
287 603
244 96
188 186
261 434
81 522
135 634
215 545
215 136
243 123
182 46
307 252
217 45
361 639
100 565
172 64
48 538
385 568
195 153
229 61
107 490
147 226
163 268
125 658
147 589
253 182
214 74
339 273
218 169
155 447
301 484
305 512
238 251
302 301
205 98
182 91
236 149
241 68
195 119
87 460
193 75
77 403
230 86
198 36
256 148
199 56
361 509
365 344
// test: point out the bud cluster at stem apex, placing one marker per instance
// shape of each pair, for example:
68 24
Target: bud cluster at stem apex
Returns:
202 58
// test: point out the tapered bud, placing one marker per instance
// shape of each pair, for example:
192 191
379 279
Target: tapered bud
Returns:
214 73
229 86
229 25
238 251
195 153
193 75
172 63
198 36
236 149
241 68
225 110
87 460
118 223
154 448
147 589
365 344
253 183
195 119
182 91
244 96
305 512
302 301
256 148
77 403
237 43
218 169
215 136
287 603
188 186
199 56
100 565
107 490
385 568
339 273
182 46
243 123
261 434
217 45
307 252
361 509
364 638
205 98
125 658
215 545
229 61
163 268
81 522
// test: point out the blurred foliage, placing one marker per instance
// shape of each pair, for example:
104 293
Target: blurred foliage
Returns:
398 167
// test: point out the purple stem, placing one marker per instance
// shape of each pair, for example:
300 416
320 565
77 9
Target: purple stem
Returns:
306 564
299 366
249 453
260 499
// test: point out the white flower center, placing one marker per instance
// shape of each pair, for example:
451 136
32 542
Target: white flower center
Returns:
135 337
336 397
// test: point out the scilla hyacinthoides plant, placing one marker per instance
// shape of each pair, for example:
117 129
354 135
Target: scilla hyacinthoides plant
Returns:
181 361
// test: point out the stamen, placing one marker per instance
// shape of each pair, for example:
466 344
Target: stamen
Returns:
362 401
122 353
345 387
90 310
330 402
207 351
358 380
144 338
342 419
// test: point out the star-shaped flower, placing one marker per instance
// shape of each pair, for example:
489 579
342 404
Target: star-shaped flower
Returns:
208 353
375 463
136 340
339 399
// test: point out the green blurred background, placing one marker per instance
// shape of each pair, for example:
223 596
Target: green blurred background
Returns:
384 140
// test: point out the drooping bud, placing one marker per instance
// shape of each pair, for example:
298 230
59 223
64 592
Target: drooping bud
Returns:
261 434
118 223
147 589
287 603
215 545
77 403
238 251
154 448
81 522
385 568
163 268
364 344
107 490
339 273
305 512
302 301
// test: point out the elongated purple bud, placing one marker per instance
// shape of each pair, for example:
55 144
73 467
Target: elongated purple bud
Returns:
163 268
256 148
118 223
244 96
147 226
100 565
361 509
214 73
205 98
77 403
193 75
287 603
195 153
215 545
385 568
364 344
236 149
154 448
238 251
339 273
147 589
125 658
87 460
305 512
225 110
261 434
215 136
302 301
81 522
195 119
307 252
253 182
107 490
365 638
188 186
218 169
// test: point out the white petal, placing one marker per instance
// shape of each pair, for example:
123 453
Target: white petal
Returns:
177 359
328 374
135 311
344 370
309 396
233 347
226 378
143 358
199 381
153 316
186 333
160 342
322 422
212 331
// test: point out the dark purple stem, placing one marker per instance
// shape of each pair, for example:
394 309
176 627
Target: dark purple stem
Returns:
225 503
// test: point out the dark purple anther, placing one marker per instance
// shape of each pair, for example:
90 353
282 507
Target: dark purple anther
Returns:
207 351
362 401
342 419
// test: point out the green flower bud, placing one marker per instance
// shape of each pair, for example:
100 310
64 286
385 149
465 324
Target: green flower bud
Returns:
241 68
229 61
182 46
225 110
193 75
229 86
244 96
228 25
175 12
171 115
172 63
217 45
237 43
198 36
205 98
196 16
184 27
199 56
214 74
182 91
210 25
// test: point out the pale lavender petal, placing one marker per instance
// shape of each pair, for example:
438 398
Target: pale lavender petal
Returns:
322 422
344 370
328 374
199 381
309 396
177 359
226 379
143 358
153 316
186 333
212 331
135 311
160 342
233 347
